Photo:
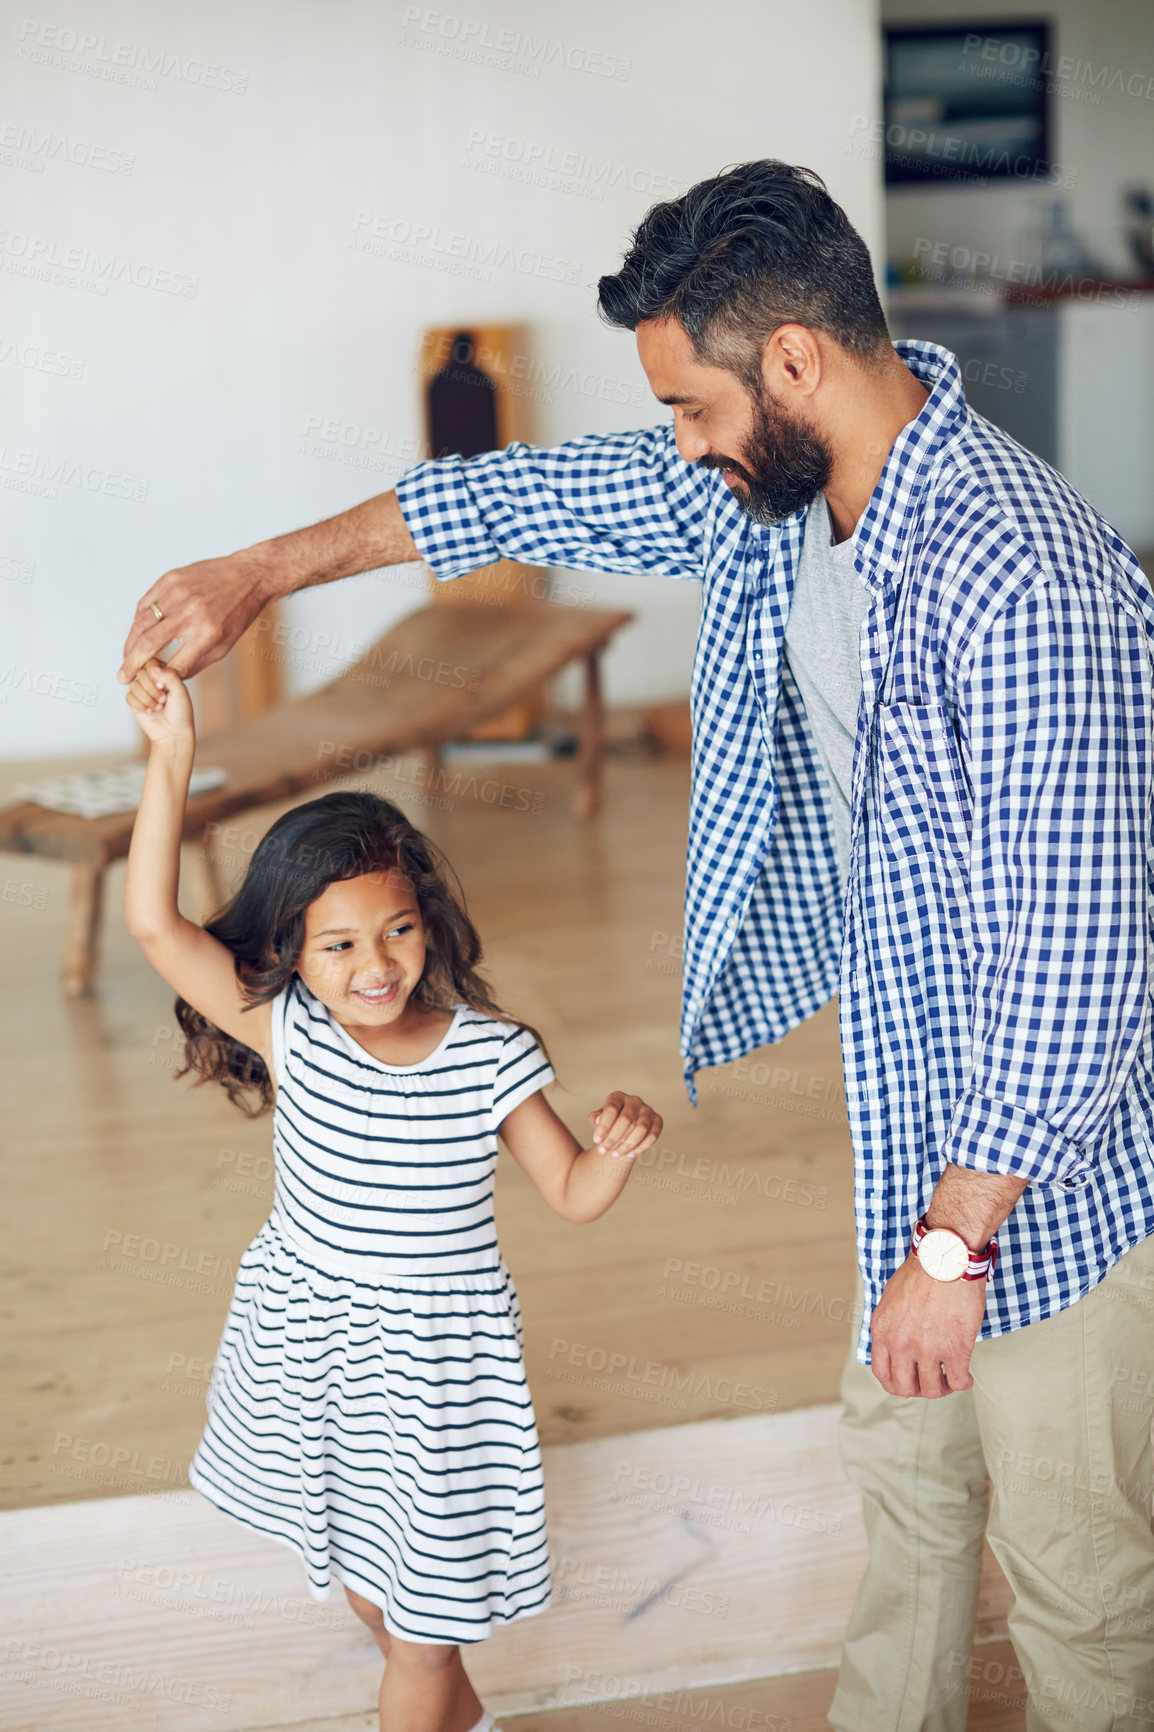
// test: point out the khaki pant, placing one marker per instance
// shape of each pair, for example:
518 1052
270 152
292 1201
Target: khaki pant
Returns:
1054 1438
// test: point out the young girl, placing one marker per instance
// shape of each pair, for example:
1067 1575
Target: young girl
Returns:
369 1406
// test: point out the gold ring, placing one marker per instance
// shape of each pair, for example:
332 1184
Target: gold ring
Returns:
156 610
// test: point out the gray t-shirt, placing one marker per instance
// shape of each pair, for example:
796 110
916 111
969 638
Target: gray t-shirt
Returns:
821 647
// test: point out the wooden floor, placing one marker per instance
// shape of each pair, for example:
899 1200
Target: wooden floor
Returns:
686 1558
131 1196
795 1704
720 1288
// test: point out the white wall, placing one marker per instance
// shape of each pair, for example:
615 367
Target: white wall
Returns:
1106 413
1102 110
183 293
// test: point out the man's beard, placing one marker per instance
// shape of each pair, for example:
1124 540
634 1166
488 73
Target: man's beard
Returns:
786 465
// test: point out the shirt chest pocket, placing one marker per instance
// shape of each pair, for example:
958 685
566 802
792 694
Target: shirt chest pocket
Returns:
922 800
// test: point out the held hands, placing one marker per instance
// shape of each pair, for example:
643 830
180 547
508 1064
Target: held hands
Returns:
625 1126
207 606
160 701
924 1331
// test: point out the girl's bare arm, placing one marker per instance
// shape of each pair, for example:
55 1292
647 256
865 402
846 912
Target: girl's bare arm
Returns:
580 1184
194 963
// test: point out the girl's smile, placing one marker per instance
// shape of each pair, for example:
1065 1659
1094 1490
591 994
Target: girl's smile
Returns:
376 994
364 949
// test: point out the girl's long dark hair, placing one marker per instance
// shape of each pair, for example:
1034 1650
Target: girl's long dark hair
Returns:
339 836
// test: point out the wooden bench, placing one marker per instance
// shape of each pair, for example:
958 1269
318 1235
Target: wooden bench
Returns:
425 682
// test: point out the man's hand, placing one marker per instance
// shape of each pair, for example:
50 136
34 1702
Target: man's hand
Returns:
924 1331
207 606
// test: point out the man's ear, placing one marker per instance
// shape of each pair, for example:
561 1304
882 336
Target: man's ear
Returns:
791 361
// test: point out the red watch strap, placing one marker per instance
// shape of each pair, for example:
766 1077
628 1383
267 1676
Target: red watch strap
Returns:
990 1258
981 1266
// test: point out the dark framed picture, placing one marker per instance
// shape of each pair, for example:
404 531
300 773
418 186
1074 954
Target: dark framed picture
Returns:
967 103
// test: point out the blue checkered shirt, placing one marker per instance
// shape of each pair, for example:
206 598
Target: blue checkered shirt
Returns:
991 948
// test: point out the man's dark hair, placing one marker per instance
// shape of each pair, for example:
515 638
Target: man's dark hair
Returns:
761 245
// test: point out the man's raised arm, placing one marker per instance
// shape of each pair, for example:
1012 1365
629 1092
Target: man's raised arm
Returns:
622 503
208 605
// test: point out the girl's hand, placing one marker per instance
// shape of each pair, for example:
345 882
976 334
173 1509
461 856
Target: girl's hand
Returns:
624 1127
166 719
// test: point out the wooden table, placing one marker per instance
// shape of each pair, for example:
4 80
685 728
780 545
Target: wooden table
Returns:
425 682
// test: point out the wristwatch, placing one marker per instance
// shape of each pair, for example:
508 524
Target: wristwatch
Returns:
945 1256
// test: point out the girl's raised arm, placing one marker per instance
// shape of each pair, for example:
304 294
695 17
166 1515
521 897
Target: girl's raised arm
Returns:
194 963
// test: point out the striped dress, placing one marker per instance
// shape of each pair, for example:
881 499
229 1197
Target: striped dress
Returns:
368 1406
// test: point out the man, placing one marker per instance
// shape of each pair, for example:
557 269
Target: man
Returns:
923 777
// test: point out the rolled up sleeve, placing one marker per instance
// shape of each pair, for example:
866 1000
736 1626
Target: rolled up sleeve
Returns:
624 503
1055 723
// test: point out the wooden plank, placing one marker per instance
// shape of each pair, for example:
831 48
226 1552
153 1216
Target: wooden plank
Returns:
692 1556
501 353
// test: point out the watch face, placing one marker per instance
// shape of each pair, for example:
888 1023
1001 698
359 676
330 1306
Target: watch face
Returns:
943 1255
